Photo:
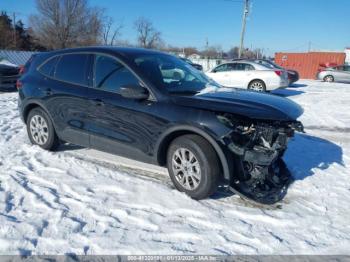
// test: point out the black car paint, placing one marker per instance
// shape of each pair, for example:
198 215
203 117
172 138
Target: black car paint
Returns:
143 129
245 103
8 77
293 76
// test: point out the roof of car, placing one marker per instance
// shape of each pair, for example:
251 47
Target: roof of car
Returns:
118 50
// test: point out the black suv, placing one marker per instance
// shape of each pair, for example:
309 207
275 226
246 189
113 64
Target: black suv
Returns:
129 102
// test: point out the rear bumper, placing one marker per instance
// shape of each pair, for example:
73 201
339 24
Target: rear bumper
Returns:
8 83
277 84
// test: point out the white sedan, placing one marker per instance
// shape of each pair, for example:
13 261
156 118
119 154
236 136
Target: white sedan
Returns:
250 75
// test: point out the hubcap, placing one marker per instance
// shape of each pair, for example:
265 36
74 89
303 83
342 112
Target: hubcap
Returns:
257 86
186 168
329 79
39 130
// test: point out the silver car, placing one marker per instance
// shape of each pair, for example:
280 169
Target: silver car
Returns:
336 73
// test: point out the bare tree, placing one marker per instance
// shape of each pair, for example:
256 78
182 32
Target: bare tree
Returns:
6 31
66 23
148 36
190 51
111 31
233 52
213 52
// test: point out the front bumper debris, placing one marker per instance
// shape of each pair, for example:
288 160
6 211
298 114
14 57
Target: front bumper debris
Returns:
260 174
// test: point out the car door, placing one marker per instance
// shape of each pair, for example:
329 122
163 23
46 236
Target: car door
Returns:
340 74
65 87
346 73
240 75
120 125
221 74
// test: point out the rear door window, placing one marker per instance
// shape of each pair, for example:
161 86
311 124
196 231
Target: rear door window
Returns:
111 75
340 68
243 67
347 68
72 68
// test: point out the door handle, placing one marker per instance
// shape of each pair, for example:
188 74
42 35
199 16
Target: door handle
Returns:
48 91
98 102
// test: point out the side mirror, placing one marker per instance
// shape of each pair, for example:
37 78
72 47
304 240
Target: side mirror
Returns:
134 92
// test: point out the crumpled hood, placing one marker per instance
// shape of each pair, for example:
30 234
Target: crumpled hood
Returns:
250 104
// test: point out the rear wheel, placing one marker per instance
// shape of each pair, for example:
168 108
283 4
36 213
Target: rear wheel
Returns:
257 85
40 130
328 79
193 166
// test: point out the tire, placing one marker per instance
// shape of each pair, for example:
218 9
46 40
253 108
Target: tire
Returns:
257 85
40 130
206 161
328 78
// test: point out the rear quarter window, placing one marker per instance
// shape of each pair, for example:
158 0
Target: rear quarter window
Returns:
72 68
48 67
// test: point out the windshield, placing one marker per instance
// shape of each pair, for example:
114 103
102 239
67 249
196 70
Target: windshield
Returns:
172 74
268 64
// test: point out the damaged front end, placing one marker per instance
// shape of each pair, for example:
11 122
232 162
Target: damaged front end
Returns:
260 174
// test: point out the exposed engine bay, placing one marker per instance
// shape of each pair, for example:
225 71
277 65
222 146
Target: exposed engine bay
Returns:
260 173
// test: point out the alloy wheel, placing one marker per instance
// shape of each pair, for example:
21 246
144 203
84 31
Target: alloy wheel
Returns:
39 129
328 79
257 86
186 168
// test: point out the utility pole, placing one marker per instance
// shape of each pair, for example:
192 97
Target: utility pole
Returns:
244 20
207 48
14 30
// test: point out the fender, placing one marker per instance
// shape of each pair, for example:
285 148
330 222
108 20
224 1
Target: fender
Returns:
222 154
29 103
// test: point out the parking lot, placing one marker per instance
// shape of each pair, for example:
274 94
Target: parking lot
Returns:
83 201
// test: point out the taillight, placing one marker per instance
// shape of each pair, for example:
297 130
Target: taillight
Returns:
19 84
22 70
278 72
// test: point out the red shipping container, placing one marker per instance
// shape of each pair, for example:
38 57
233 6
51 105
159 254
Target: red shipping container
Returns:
308 64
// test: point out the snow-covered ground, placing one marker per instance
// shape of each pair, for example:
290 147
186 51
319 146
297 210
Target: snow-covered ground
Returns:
87 202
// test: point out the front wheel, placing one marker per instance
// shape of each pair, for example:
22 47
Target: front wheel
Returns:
193 166
328 79
257 85
40 130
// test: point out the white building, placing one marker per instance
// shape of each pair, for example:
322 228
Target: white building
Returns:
347 53
194 56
